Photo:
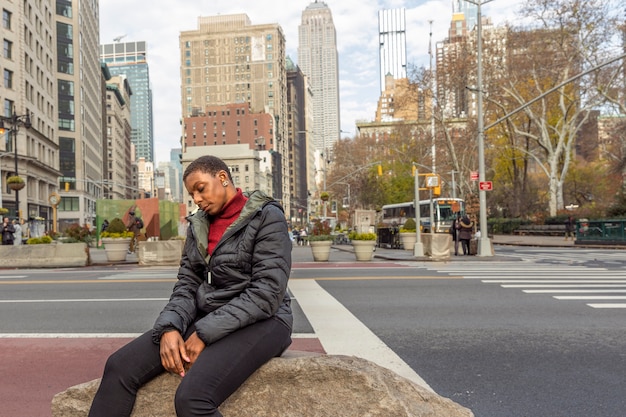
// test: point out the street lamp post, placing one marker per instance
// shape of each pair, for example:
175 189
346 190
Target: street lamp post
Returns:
418 249
484 246
14 122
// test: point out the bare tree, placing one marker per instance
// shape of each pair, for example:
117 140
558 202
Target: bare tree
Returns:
567 34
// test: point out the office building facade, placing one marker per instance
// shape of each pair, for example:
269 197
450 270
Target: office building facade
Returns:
29 88
229 60
80 108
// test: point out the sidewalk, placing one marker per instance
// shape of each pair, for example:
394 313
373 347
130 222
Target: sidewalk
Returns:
98 256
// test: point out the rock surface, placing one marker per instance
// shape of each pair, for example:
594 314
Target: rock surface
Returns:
312 386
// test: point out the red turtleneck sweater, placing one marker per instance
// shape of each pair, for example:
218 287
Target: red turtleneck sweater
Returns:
228 215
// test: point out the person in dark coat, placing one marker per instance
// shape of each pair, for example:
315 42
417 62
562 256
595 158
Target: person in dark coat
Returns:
229 312
570 225
454 231
465 233
7 232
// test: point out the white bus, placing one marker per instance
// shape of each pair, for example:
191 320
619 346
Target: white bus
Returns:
445 211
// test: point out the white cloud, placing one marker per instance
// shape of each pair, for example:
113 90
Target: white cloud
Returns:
160 22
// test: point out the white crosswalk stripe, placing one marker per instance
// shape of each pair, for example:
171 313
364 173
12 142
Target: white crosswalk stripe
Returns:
599 287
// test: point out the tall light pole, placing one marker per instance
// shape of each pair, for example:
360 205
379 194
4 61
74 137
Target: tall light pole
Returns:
14 122
418 249
432 104
484 245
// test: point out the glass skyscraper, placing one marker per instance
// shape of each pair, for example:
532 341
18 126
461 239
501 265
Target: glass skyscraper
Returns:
129 59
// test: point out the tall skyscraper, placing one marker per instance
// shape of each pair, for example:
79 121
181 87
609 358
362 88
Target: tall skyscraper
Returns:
80 109
130 59
392 41
228 60
318 60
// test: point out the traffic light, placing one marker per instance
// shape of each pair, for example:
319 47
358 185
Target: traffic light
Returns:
437 188
380 170
437 191
67 186
413 169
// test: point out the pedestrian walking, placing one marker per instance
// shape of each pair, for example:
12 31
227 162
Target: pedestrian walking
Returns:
134 225
570 225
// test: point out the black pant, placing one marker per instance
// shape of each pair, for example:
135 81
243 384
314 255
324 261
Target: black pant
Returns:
217 373
466 246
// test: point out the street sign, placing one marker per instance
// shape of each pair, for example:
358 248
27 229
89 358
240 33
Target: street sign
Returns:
474 176
485 185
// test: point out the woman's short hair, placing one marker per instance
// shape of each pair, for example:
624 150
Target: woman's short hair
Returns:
208 164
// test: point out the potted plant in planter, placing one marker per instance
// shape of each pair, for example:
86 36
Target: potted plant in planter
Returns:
116 240
408 235
15 182
364 244
320 240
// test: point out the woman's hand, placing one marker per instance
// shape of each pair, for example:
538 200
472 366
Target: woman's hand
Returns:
173 352
194 346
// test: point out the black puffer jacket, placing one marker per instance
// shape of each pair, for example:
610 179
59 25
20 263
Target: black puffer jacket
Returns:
244 281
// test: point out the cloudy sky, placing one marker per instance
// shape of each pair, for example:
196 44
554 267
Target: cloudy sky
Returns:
159 22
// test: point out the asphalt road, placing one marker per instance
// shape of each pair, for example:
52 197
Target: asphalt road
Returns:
499 351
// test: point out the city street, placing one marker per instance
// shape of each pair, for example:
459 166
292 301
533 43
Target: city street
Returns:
534 331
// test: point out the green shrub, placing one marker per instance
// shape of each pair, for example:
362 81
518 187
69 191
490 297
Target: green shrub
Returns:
408 226
39 240
117 229
362 236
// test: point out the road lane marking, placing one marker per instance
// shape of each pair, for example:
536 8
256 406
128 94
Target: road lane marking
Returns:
83 300
590 297
341 333
607 305
12 276
100 335
84 281
387 277
571 291
552 281
564 286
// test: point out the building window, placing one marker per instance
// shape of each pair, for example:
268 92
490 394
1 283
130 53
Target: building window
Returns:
8 79
6 19
64 8
69 204
8 49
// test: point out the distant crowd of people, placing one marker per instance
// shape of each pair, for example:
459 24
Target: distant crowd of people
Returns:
13 231
299 236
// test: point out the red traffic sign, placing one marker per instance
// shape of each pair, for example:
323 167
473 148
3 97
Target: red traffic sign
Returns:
474 176
485 185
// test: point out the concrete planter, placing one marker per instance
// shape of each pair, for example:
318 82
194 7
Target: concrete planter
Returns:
320 250
408 240
160 252
116 249
437 245
53 255
364 249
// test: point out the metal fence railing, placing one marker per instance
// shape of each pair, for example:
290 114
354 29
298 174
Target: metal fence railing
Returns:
601 231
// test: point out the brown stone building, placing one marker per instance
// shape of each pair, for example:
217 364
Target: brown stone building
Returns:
229 124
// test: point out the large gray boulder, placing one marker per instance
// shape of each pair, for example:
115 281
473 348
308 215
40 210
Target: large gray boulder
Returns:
311 386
